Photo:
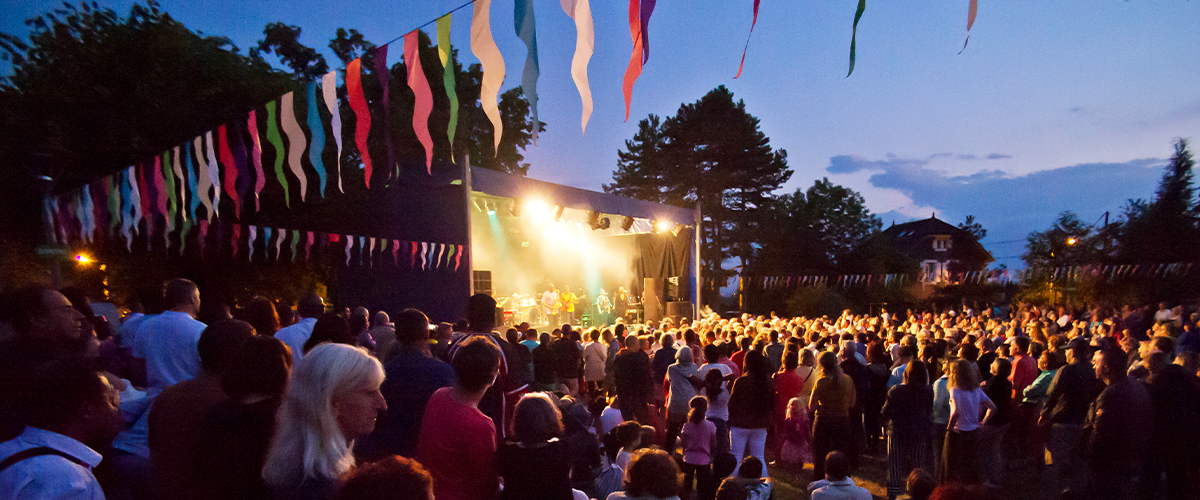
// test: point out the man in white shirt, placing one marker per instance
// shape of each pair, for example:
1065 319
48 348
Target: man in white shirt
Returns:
49 460
310 307
837 484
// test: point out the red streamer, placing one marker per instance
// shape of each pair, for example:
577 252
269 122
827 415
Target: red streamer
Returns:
636 59
458 258
362 115
231 170
747 47
395 248
235 238
412 261
423 105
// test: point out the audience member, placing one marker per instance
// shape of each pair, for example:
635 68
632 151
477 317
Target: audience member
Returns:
310 307
534 463
392 478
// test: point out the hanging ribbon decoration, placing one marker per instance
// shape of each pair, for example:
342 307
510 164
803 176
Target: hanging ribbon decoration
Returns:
395 249
296 140
277 142
203 236
172 205
295 241
485 49
241 162
250 237
381 73
308 245
114 202
329 92
971 10
862 6
234 238
260 179
362 249
585 43
423 103
160 190
412 260
444 53
192 174
441 252
267 243
140 207
639 21
349 245
231 170
180 182
214 176
371 253
424 260
358 103
281 234
458 258
317 146
526 26
747 47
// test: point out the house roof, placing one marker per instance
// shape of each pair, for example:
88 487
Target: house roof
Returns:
914 237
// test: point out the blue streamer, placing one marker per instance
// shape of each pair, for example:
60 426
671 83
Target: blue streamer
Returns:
315 127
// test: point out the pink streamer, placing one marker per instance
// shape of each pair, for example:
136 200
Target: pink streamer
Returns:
423 105
260 179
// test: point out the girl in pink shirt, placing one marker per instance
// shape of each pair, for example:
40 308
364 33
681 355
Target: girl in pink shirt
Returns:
698 437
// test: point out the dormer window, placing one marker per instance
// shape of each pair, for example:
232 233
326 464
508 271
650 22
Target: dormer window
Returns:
941 243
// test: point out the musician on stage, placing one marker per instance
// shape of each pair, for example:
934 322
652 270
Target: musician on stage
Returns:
604 309
621 304
550 305
566 302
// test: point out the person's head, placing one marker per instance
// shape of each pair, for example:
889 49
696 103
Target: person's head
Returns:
481 312
629 434
755 365
392 478
751 468
476 364
544 340
698 409
683 356
182 296
963 375
829 365
260 367
916 373
310 306
1001 367
791 360
219 344
1156 361
329 328
794 408
1050 360
723 464
837 467
536 419
920 484
412 329
76 400
358 321
332 399
712 353
1020 346
652 473
714 382
1109 365
594 335
43 313
261 314
380 319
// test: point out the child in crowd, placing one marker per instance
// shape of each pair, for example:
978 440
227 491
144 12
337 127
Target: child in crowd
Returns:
612 477
796 450
723 465
698 437
629 436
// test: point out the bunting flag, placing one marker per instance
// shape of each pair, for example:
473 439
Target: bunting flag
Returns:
250 237
395 249
214 176
203 182
234 239
295 241
241 161
202 236
277 141
412 260
317 146
634 70
441 252
267 244
296 140
349 245
160 189
87 211
450 255
444 53
747 47
862 6
423 103
371 253
485 49
114 202
523 21
362 115
180 181
169 178
308 245
585 43
362 249
135 199
260 179
424 260
971 10
382 73
279 236
192 175
231 170
329 92
183 234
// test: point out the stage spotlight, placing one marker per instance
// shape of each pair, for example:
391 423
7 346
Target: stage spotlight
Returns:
678 228
593 219
627 223
515 209
663 226
478 206
604 223
490 206
558 211
537 209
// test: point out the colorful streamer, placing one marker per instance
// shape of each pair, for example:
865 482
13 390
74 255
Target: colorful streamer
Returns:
458 258
362 250
747 47
308 245
241 163
250 237
349 245
277 141
214 176
441 252
295 241
971 11
141 198
260 179
634 70
181 182
160 189
382 73
234 239
296 140
316 147
444 53
485 49
585 44
862 6
395 249
424 260
423 104
371 253
231 171
267 244
192 175
169 180
412 259
329 92
114 202
358 103
280 235
526 26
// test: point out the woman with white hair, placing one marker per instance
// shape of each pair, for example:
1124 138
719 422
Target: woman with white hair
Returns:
333 398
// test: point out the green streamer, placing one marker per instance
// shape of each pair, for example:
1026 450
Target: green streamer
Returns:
444 53
277 141
862 5
169 175
295 240
183 234
114 203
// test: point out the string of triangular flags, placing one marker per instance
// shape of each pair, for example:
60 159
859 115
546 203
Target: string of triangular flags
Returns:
841 281
1111 272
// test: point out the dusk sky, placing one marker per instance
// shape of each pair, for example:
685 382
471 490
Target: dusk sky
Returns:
1053 105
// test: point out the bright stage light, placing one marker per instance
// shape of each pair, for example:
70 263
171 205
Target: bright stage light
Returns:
490 206
537 209
82 259
663 226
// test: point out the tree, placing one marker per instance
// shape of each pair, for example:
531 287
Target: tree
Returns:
284 40
1068 242
712 153
976 229
1164 231
817 229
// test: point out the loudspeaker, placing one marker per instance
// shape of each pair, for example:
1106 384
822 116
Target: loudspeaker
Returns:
482 281
652 299
671 290
679 310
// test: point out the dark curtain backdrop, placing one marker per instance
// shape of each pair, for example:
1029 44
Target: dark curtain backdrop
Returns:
664 255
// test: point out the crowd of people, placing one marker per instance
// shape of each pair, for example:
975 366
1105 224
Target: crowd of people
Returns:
319 402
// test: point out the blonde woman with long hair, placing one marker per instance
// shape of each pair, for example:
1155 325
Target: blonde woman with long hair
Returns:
831 401
333 399
960 456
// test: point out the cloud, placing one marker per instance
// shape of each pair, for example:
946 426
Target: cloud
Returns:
998 156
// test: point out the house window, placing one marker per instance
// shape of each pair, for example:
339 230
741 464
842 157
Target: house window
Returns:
941 243
932 270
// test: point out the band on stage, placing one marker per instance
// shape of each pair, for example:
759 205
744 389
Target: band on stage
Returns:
569 305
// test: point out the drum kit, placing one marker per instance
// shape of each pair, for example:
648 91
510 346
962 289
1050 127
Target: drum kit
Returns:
520 308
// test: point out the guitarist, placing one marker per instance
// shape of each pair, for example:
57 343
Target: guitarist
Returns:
566 302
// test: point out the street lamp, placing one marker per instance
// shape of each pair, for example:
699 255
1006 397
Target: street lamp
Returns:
1072 240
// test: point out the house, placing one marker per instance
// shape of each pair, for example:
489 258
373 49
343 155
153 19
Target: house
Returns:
942 249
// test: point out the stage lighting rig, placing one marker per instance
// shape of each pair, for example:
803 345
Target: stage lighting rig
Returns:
596 222
627 223
490 206
478 206
663 226
515 209
558 212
